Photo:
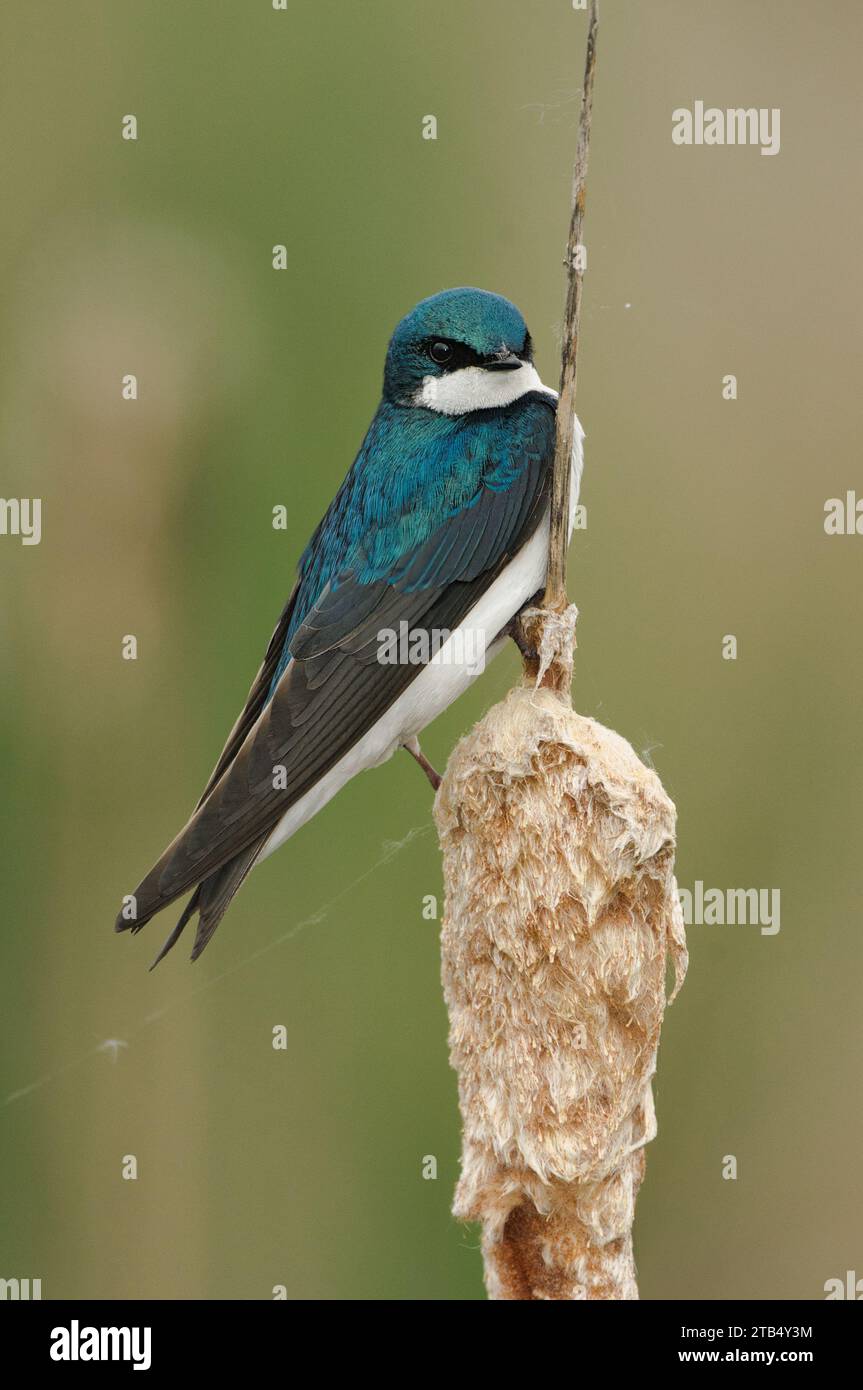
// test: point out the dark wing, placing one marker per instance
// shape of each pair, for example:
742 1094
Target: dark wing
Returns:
335 688
257 696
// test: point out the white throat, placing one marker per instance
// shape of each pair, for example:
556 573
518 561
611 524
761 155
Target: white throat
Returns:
474 388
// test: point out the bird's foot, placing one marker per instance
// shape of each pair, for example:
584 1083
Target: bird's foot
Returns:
515 630
549 644
413 747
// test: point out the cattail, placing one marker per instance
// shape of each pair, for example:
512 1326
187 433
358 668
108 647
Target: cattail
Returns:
561 911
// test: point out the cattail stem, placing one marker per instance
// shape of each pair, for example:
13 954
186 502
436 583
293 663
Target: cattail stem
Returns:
554 597
543 631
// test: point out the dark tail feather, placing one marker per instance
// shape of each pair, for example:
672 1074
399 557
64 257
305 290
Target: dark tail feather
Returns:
218 890
212 898
188 910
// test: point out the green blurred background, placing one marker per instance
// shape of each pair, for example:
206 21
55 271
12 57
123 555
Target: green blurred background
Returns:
705 517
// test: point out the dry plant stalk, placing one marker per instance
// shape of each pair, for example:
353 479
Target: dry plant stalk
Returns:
555 587
561 913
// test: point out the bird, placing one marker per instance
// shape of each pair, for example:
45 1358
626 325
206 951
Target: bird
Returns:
439 527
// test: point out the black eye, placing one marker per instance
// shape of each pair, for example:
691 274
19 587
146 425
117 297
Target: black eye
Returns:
440 353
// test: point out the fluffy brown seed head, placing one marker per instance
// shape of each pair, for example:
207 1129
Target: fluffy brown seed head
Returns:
561 912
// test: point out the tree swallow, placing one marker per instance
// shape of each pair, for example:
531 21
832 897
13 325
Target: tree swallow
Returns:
440 527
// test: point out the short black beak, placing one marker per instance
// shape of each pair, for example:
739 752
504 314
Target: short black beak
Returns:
503 362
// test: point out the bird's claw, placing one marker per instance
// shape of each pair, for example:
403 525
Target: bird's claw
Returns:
412 746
